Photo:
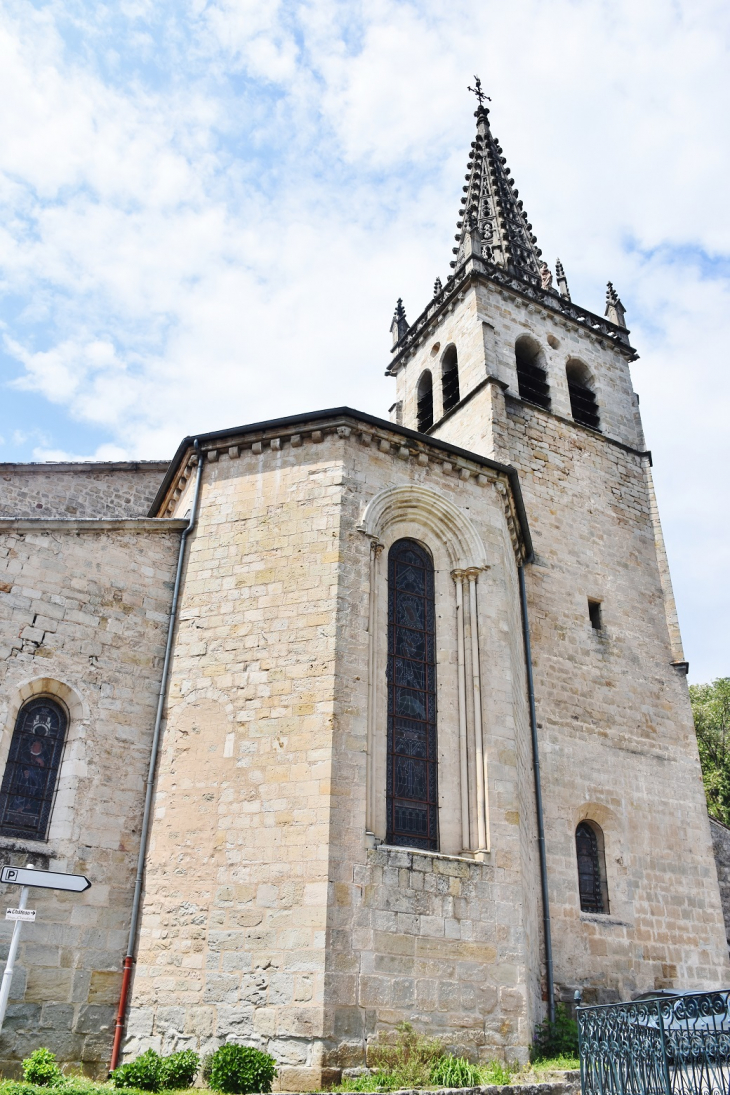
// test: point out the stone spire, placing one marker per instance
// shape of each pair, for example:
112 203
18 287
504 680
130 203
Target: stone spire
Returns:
615 310
399 324
562 280
493 221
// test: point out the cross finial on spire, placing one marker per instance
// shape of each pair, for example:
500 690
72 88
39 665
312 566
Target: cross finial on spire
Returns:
478 91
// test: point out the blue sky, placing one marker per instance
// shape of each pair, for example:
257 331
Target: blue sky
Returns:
209 209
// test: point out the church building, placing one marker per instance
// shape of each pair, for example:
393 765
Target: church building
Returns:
355 720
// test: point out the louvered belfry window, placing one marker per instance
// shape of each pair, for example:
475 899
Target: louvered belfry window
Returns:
29 782
590 881
583 405
412 762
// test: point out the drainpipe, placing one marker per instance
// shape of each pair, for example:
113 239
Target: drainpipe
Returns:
130 955
538 802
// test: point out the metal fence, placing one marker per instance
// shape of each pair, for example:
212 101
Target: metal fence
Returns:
668 1045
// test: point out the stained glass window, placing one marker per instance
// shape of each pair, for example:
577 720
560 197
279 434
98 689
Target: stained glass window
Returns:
591 869
30 775
412 763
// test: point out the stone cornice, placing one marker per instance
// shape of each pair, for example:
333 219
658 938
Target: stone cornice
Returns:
92 524
262 439
477 269
80 466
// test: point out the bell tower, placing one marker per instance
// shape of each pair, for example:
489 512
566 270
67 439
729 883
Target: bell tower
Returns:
503 363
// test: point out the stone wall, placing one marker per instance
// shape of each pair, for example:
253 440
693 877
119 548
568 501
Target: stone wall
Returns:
615 725
83 617
721 847
268 916
93 489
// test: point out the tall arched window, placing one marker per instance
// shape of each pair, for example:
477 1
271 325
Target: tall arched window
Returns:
531 375
583 405
29 782
425 402
450 378
412 759
591 868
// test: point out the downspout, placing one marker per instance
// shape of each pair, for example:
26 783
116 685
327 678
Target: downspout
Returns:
131 945
538 802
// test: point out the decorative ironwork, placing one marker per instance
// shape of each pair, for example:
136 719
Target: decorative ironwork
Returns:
666 1045
29 782
589 869
478 91
412 757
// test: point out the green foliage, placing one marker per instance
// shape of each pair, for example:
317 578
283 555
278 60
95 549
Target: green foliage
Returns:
450 1071
497 1072
179 1069
711 711
241 1069
557 1038
150 1072
369 1081
407 1059
554 1064
41 1069
142 1073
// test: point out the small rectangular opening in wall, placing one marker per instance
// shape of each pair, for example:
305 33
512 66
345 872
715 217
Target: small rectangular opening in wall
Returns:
594 611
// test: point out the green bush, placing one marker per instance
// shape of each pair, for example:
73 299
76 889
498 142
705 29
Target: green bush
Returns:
142 1073
556 1039
241 1069
179 1069
41 1069
17 1087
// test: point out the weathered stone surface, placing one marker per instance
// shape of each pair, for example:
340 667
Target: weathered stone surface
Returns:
119 489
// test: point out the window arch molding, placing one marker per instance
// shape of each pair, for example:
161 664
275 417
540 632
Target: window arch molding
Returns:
459 556
436 513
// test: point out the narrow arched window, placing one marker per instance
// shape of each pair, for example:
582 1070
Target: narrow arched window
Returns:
583 405
450 378
29 782
531 375
591 868
425 402
412 760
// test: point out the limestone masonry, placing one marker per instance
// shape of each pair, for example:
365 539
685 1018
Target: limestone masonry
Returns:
343 831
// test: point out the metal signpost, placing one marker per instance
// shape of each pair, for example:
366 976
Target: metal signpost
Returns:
27 877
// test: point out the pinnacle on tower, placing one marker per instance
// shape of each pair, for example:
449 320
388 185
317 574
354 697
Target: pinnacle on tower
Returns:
615 310
437 287
561 280
492 220
399 324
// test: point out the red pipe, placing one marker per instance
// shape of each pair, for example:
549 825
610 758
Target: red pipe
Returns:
119 1025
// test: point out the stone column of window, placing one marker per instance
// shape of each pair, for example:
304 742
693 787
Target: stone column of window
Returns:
375 550
480 753
458 576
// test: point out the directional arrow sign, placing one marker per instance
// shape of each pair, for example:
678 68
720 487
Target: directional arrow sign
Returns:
49 880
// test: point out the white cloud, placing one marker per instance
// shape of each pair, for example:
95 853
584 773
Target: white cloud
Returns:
208 211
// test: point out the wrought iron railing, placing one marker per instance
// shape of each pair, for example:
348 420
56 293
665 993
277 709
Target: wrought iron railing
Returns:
666 1045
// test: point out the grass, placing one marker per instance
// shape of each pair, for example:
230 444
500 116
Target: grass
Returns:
551 1064
449 1071
76 1084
